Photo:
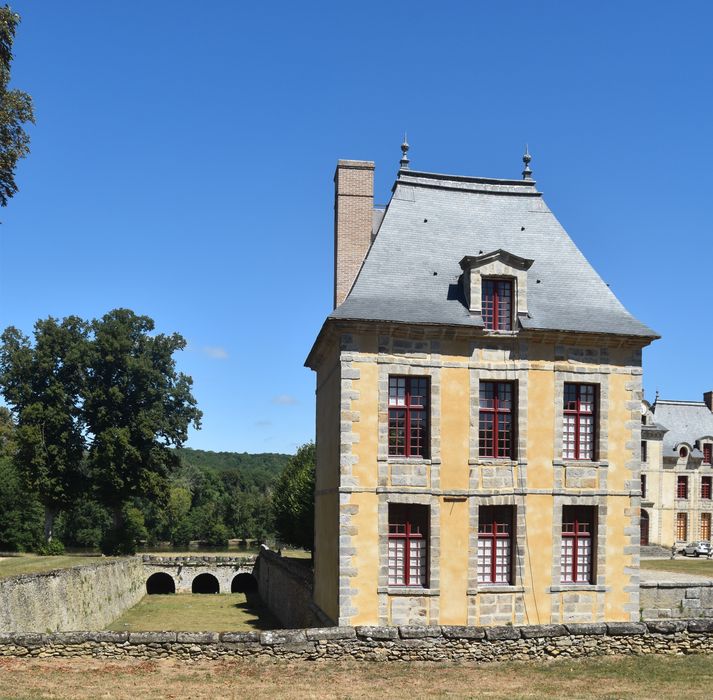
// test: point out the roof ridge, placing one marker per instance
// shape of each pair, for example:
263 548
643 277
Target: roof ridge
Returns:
676 402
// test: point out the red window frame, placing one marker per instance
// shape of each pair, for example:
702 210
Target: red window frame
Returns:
681 527
576 400
706 488
682 486
408 416
496 303
496 424
408 535
644 451
643 486
708 453
495 527
705 526
578 530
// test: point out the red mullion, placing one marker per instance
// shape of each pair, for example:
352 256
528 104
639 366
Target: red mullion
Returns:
407 431
496 310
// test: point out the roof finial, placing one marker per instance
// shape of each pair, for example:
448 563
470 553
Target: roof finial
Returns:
404 157
657 396
527 173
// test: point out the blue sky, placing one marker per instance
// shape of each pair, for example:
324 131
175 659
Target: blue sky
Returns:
183 157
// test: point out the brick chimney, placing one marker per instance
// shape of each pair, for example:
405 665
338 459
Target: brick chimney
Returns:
353 211
708 399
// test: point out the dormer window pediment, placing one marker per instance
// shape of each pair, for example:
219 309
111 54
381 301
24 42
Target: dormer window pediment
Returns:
495 286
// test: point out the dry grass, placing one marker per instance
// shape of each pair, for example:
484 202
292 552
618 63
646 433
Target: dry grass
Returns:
33 564
689 677
189 612
681 565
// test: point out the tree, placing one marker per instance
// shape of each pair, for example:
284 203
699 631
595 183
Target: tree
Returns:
137 406
20 511
43 384
15 110
293 499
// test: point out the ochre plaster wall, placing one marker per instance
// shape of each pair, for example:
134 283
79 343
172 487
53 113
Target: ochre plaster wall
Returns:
456 476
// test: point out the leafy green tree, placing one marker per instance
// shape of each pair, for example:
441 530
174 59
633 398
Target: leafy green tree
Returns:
43 384
20 511
15 110
137 406
293 499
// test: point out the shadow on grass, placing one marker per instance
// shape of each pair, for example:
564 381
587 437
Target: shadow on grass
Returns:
253 605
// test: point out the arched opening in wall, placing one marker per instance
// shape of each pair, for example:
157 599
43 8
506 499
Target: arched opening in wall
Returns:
243 583
205 583
160 584
644 527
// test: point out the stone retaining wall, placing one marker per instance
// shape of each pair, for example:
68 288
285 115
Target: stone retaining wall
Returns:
676 600
413 643
81 598
285 587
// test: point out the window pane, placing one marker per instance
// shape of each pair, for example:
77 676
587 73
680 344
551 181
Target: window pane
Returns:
569 437
486 435
397 548
397 432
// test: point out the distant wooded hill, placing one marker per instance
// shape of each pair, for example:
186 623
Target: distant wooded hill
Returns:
271 462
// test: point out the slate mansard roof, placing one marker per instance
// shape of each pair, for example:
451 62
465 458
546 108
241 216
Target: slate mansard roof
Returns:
412 275
687 421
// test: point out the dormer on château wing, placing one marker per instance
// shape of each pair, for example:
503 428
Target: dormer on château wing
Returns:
495 287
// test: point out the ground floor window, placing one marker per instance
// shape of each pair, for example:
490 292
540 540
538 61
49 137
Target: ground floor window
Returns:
408 545
495 544
578 534
705 526
681 526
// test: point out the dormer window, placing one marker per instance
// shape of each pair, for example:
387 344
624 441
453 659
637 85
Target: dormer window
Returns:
495 287
708 453
497 304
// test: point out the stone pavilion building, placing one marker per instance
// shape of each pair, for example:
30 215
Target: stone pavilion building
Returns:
478 412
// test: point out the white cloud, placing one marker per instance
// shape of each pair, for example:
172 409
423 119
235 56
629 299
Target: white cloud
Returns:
284 400
216 352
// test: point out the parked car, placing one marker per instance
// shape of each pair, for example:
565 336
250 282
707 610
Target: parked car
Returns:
698 549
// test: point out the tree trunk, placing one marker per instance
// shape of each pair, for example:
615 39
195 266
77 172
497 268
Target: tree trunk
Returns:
50 514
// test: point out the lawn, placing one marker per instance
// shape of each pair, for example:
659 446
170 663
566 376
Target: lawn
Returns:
188 612
699 567
689 677
33 564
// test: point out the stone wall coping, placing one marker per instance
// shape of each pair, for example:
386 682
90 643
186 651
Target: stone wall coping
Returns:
198 560
52 573
676 584
363 633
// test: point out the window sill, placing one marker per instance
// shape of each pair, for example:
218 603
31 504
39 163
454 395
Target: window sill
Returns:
565 587
408 591
495 588
593 464
407 460
494 462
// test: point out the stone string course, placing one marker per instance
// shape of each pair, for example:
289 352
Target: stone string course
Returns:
410 643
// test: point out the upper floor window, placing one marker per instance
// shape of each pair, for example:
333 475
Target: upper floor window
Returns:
706 487
643 486
708 453
682 486
408 416
408 545
576 555
579 421
644 451
495 544
496 419
497 304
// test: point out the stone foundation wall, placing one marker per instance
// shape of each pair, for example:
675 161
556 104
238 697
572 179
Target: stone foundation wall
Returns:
663 600
285 587
82 598
414 643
